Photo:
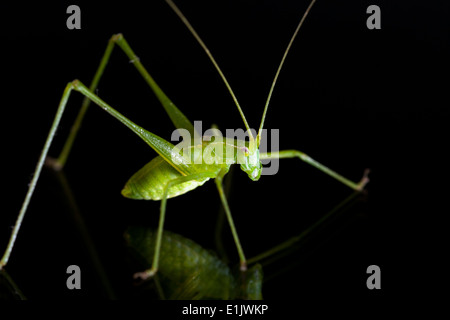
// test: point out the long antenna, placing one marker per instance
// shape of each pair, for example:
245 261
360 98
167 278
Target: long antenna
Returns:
205 48
280 66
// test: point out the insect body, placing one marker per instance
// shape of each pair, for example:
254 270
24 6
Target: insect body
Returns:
149 182
170 174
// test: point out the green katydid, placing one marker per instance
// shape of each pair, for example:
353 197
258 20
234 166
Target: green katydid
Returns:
174 179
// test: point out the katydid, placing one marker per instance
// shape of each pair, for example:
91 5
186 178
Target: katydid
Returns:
163 177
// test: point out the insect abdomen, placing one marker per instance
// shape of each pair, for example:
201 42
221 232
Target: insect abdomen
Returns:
149 182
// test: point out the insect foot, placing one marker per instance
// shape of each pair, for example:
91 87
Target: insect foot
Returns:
364 180
53 163
143 276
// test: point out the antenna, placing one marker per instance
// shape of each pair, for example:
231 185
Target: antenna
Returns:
279 69
205 48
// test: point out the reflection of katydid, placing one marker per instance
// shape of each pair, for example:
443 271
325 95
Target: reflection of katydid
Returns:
162 178
189 272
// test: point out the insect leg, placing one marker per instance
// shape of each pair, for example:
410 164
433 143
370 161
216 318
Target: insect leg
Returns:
60 162
218 182
358 186
161 146
177 117
155 263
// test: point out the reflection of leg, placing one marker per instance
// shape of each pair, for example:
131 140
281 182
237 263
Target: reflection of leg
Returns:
154 268
242 259
302 156
340 208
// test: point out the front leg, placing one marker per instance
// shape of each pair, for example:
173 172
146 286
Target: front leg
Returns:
223 198
358 186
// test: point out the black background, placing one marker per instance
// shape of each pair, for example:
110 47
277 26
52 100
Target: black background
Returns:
350 97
